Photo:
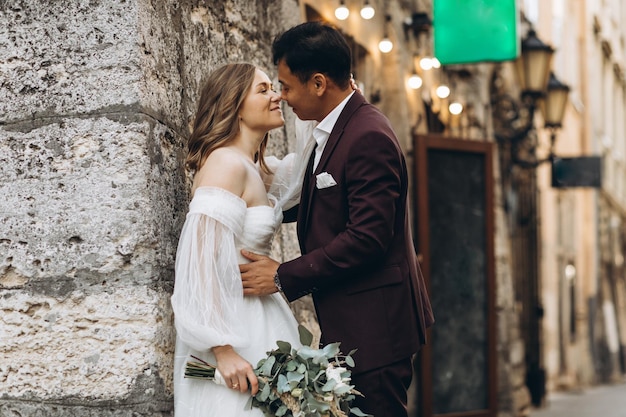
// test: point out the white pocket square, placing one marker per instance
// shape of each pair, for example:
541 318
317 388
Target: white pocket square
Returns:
325 180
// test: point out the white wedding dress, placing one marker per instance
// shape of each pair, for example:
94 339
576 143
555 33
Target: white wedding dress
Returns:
208 302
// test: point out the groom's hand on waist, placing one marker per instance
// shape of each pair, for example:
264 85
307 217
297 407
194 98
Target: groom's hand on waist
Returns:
257 276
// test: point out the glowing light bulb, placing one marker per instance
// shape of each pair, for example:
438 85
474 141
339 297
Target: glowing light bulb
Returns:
367 12
414 82
442 91
385 45
426 64
342 12
435 62
455 108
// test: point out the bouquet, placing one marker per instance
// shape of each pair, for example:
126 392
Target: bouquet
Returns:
304 382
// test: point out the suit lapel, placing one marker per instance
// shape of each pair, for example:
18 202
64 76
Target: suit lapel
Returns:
356 101
308 189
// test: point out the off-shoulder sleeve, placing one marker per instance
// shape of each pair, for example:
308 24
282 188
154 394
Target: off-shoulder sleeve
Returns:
208 295
289 172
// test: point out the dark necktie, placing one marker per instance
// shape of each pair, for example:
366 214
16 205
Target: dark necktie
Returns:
305 195
309 172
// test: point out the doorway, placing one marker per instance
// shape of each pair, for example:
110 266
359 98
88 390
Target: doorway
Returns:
455 240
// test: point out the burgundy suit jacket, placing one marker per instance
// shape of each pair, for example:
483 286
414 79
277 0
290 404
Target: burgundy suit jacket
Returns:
358 260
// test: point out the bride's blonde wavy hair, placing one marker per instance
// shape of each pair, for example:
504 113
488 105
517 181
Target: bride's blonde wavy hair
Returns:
217 119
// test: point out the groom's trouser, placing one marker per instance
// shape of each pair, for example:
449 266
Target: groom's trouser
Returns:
385 389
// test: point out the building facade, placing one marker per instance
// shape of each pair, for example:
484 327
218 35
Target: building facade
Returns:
583 232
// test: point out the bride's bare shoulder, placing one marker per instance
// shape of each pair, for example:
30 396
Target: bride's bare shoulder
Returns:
224 168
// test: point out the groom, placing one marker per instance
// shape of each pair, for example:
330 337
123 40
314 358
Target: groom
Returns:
358 259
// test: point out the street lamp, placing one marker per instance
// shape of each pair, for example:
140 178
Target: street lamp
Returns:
514 118
553 107
533 66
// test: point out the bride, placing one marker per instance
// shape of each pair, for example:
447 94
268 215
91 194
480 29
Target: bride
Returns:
238 200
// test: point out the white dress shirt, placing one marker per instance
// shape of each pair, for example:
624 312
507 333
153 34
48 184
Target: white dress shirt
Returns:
321 133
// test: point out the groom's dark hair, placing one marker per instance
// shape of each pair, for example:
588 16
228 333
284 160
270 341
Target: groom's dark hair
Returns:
314 47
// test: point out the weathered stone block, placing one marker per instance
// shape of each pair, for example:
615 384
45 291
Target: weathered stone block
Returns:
84 345
84 185
73 57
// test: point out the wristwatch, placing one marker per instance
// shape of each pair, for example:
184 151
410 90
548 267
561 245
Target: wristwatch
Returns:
277 282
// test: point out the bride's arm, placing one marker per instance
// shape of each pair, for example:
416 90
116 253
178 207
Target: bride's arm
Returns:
207 299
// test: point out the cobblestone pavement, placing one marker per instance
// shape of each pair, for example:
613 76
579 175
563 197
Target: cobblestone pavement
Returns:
601 401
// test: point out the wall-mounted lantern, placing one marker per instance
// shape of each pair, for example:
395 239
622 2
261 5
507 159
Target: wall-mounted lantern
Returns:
514 118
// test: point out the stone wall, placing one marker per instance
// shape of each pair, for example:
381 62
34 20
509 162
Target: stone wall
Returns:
95 101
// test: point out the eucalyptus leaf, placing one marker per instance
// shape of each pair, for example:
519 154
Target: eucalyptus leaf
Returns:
283 385
248 404
306 337
329 385
266 369
331 350
294 377
319 374
321 360
264 393
284 347
357 412
306 352
344 389
350 361
315 404
281 410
